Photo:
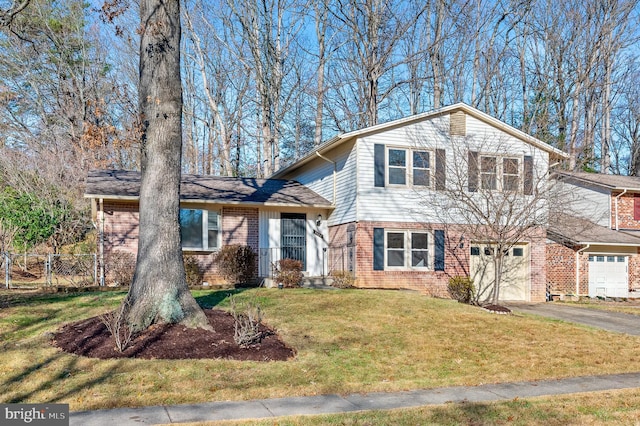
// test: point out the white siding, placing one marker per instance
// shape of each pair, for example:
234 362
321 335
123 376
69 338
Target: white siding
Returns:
409 205
589 202
318 176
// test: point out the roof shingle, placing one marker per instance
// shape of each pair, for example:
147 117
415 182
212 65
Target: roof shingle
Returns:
124 184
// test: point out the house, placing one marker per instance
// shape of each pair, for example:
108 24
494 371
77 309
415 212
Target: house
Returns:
593 247
382 203
276 218
384 228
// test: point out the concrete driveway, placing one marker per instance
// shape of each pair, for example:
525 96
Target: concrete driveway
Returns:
612 321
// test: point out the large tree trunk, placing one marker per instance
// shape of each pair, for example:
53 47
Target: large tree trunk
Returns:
159 292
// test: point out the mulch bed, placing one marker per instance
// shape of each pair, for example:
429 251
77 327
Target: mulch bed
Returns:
497 309
91 338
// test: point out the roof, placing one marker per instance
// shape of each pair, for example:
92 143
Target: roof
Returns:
339 139
125 185
565 228
614 182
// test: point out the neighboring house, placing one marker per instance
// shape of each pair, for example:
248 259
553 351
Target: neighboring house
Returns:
378 179
277 218
593 246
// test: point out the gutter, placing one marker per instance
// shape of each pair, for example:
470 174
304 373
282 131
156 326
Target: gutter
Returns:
335 172
578 253
616 206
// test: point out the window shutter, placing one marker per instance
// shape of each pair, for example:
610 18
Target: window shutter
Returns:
378 249
441 166
528 175
438 261
378 161
473 171
636 207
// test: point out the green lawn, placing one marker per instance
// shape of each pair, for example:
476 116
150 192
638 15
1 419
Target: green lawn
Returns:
346 341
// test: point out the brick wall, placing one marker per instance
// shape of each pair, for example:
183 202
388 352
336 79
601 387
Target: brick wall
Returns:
625 212
239 226
431 282
561 268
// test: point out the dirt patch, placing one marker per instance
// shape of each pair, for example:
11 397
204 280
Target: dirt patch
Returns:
91 338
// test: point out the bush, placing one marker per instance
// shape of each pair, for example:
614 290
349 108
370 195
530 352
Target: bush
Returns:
119 267
247 319
193 271
342 279
237 264
461 289
288 273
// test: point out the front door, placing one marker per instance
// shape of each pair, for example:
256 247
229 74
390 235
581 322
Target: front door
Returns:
293 237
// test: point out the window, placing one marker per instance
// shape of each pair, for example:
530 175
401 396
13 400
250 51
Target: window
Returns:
499 173
397 159
421 168
518 251
475 251
419 250
199 229
488 173
405 249
510 176
406 166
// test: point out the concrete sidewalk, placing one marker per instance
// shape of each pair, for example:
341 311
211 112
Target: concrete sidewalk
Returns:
326 404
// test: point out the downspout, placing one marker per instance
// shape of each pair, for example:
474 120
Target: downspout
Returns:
335 172
616 206
578 253
101 236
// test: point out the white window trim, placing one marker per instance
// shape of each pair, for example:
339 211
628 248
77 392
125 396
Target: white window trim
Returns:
500 171
205 231
409 167
408 250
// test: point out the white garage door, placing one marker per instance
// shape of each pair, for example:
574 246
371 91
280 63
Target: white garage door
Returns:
515 272
608 276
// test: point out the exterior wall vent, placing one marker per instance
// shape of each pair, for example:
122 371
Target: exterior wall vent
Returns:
458 124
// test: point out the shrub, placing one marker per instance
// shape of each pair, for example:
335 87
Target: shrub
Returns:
193 271
342 279
116 323
288 273
237 264
247 319
461 289
120 267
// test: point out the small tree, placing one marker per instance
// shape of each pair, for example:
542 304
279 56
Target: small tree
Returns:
493 190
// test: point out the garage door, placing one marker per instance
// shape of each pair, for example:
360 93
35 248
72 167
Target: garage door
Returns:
608 276
515 272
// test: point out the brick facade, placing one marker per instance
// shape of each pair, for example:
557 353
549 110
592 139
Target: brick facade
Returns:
239 225
561 269
625 211
430 282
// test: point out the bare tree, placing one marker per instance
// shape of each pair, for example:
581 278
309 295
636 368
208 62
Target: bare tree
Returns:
490 198
159 291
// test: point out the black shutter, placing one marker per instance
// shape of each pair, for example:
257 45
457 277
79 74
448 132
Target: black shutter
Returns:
438 261
378 249
528 175
473 171
441 166
378 167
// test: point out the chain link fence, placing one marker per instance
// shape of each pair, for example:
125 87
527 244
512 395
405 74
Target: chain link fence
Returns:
27 270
